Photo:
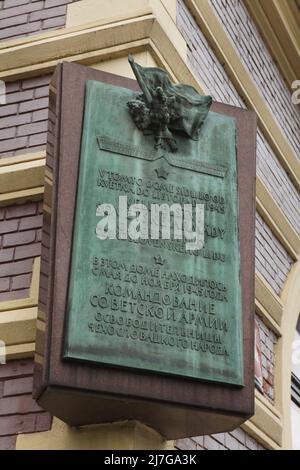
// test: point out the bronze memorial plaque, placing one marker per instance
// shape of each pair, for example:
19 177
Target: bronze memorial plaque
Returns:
146 297
140 297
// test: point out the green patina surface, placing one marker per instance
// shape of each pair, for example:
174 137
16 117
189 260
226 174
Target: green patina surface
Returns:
150 304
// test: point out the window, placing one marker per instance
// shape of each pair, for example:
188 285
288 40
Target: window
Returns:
295 391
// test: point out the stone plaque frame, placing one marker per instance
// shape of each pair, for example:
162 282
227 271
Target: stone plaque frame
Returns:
84 393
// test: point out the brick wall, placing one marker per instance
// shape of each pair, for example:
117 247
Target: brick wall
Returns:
20 238
234 440
19 18
213 76
23 119
271 259
258 61
204 62
268 341
19 413
277 181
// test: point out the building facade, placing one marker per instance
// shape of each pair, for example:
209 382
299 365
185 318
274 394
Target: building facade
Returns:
244 53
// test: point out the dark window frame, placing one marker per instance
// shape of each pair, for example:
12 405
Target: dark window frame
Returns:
295 390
